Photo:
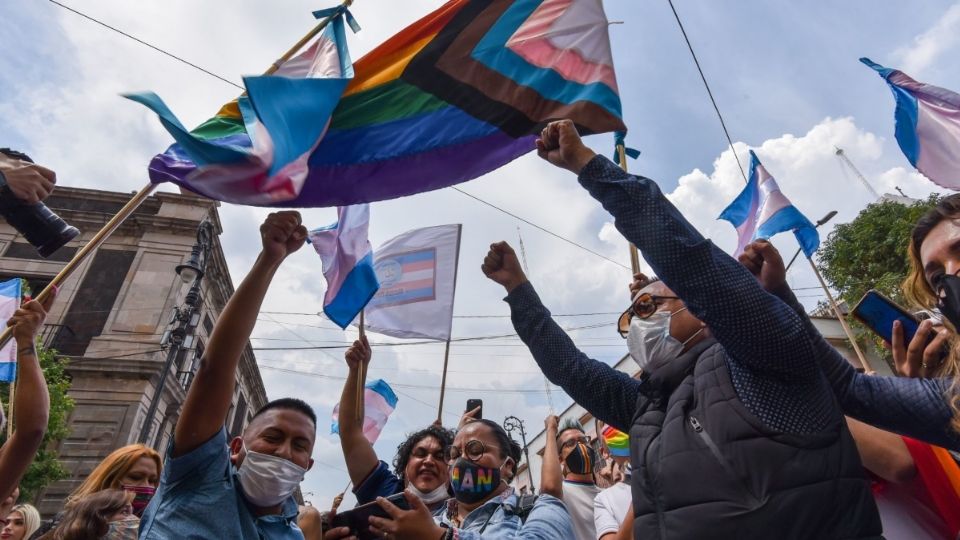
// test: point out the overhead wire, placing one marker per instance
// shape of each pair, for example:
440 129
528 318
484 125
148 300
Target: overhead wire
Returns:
709 92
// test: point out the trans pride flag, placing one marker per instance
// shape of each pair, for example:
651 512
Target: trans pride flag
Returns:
927 125
379 402
347 260
9 302
455 95
761 211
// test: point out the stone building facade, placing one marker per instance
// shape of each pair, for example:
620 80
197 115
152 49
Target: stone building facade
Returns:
110 317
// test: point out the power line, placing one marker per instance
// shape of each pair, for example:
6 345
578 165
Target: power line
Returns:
534 225
709 92
142 42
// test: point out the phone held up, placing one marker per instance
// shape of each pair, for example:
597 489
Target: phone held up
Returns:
473 404
878 313
358 519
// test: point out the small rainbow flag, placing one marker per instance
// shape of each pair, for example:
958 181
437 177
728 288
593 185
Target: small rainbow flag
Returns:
455 95
617 441
938 477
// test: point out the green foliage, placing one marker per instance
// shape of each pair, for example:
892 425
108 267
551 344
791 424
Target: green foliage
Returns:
45 468
870 252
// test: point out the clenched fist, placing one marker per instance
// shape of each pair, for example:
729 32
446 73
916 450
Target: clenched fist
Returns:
501 265
560 144
282 234
765 263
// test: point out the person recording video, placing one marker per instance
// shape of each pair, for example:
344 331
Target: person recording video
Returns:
24 186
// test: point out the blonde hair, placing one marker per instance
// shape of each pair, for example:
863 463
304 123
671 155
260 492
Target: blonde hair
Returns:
31 518
918 291
113 469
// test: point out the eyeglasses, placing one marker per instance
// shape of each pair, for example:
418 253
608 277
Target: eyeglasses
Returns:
644 306
422 453
473 450
573 442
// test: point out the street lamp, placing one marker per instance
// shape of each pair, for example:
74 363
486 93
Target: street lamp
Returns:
184 318
511 424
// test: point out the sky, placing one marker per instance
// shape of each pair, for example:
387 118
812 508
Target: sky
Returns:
785 76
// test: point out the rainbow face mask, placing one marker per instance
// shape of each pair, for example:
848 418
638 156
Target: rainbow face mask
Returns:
472 483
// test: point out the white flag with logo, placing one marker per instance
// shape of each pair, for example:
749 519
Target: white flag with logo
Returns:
418 275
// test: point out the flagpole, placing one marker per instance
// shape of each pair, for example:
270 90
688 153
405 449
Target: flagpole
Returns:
634 254
446 354
12 398
361 376
840 317
142 195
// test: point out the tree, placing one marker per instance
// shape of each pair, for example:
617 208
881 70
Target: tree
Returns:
45 468
870 252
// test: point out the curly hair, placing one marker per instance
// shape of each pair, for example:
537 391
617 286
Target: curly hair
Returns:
442 435
89 516
919 291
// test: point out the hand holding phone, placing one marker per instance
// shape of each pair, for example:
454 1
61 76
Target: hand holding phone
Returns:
475 404
917 348
358 519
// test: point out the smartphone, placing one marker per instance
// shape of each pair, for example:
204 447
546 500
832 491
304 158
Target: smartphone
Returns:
473 404
358 519
877 312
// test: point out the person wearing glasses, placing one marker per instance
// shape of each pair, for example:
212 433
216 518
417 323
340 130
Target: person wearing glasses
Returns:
419 463
484 507
734 429
578 460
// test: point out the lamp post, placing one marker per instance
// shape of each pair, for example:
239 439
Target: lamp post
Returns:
182 317
511 424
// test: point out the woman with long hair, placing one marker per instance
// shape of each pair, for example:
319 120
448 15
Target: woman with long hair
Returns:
934 283
22 522
104 514
135 468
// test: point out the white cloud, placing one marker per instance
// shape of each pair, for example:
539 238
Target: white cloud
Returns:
926 49
810 174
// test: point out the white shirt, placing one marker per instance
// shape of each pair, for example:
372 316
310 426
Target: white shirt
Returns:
578 497
610 508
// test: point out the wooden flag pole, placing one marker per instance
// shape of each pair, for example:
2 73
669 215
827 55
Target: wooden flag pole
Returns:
443 382
12 398
361 376
634 254
841 318
144 193
446 355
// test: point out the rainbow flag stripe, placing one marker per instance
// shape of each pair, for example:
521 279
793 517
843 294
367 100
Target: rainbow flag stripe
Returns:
457 94
617 441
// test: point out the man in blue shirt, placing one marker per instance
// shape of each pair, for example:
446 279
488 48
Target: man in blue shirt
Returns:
210 490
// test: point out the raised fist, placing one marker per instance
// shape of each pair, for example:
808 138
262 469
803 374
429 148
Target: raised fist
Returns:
282 234
501 265
765 263
560 144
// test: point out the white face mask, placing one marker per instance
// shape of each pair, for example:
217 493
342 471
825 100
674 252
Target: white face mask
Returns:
268 480
435 496
650 338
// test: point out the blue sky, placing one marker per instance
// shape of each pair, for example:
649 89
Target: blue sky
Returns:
785 75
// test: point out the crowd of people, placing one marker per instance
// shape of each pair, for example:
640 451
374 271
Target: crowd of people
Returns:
744 422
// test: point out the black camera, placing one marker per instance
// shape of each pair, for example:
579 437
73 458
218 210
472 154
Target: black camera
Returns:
45 230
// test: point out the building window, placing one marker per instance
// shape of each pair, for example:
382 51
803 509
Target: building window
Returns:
239 417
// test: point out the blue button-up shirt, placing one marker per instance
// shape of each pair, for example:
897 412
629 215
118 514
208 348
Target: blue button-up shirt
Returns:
199 497
548 520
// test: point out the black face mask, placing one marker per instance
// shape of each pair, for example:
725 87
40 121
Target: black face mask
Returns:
472 483
948 293
581 459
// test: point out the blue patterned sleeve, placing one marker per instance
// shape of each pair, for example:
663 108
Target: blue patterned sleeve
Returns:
917 408
608 394
758 331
